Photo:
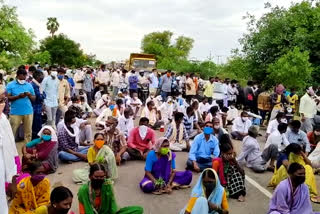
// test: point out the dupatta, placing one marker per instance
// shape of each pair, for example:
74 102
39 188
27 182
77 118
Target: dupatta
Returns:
215 196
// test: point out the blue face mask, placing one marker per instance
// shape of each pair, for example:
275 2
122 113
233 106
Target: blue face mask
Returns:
46 137
111 107
60 77
208 130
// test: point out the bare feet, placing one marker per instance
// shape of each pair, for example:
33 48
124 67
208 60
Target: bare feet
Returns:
241 198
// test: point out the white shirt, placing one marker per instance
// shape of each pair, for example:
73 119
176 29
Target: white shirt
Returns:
278 139
232 93
104 76
115 79
232 114
103 116
308 106
125 125
134 103
78 76
240 126
272 126
204 107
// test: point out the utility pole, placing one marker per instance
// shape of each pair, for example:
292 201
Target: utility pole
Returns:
210 58
219 56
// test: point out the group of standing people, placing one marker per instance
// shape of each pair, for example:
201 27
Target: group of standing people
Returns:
53 109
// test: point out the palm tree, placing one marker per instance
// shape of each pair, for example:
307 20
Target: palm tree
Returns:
52 25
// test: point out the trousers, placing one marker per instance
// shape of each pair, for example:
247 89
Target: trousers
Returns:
16 120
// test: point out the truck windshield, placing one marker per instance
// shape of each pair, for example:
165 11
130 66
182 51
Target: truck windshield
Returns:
140 63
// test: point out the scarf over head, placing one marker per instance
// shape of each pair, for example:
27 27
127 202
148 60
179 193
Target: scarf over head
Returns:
53 133
216 195
279 89
158 144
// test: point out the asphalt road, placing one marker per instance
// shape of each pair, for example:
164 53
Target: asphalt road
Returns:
128 193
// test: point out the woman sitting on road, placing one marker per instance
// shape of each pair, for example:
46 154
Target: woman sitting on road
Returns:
161 176
98 153
208 196
32 191
44 149
231 175
60 202
96 197
294 154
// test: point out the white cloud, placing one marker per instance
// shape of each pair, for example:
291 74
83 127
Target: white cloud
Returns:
114 29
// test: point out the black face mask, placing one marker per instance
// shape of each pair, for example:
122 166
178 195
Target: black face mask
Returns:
96 183
62 211
300 179
209 187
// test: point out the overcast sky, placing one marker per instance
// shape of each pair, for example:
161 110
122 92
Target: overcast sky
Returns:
114 29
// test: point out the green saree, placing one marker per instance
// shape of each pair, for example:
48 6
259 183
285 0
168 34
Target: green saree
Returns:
108 202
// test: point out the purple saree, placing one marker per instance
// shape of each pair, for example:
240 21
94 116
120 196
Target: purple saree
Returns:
284 201
162 168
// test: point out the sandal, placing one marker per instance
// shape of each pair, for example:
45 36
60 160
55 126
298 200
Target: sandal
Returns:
157 192
315 199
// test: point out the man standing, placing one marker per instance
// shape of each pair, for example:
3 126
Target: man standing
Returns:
208 90
50 86
20 94
115 80
38 103
78 78
104 77
88 86
308 110
154 82
191 89
166 83
133 83
64 91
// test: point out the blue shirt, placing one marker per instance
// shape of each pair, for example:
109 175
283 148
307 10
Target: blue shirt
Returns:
299 138
133 82
204 149
50 87
21 106
152 158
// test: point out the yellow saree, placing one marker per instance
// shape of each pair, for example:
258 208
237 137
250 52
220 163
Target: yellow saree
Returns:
281 174
28 197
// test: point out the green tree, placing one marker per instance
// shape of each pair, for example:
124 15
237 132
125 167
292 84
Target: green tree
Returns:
278 32
52 25
63 51
292 69
15 41
40 57
167 53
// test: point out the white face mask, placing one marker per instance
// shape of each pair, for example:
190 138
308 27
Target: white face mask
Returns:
74 125
21 81
54 73
216 126
283 120
244 119
107 128
143 131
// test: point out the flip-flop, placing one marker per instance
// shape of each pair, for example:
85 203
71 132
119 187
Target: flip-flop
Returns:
157 192
184 186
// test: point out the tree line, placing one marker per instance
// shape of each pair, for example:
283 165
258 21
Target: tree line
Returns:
282 46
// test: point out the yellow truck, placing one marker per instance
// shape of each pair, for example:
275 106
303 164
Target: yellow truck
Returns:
141 62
